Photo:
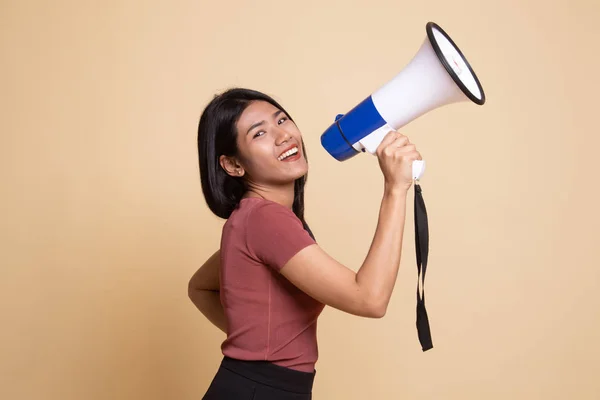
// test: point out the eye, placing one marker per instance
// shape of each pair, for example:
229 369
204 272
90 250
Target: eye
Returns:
257 134
282 120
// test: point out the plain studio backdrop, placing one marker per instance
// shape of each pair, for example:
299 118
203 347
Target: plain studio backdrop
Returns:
103 220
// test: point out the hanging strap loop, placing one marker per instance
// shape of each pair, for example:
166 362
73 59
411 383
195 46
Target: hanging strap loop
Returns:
422 250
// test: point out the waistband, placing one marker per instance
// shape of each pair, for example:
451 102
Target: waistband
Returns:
270 374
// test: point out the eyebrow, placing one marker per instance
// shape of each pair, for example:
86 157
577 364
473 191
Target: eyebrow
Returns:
257 124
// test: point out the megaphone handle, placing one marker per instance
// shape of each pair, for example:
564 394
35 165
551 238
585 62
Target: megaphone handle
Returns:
418 168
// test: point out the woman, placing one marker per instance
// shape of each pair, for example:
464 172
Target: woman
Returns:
269 282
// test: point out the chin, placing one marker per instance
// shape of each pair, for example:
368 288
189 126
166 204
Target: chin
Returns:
290 177
283 175
302 172
294 177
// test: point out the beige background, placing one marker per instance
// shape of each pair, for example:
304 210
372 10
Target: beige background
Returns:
103 221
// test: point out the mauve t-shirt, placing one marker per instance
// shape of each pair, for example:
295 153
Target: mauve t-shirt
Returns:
268 318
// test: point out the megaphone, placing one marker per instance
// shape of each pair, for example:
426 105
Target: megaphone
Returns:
438 75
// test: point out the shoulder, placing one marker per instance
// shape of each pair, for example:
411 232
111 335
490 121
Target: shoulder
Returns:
264 212
273 232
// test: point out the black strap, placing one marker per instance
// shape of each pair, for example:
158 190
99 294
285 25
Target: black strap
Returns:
422 250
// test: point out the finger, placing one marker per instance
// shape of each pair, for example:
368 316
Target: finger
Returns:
404 138
404 143
400 142
413 155
387 139
408 152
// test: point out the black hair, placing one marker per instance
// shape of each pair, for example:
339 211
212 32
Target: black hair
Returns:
217 135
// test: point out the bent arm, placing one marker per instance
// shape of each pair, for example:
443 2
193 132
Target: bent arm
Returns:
367 292
203 291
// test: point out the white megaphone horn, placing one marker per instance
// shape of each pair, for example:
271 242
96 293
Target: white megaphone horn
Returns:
438 75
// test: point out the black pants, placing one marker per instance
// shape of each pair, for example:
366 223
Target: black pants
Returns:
259 380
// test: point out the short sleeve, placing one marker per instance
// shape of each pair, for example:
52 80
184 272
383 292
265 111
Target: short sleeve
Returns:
275 234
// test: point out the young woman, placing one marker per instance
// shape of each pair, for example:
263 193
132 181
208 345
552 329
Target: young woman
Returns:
269 282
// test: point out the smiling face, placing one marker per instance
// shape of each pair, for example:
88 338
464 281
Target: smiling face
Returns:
269 147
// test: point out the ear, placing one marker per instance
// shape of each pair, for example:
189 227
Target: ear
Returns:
232 166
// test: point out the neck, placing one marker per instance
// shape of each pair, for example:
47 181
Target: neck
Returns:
281 194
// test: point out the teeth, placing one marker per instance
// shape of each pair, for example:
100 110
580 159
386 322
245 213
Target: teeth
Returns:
287 154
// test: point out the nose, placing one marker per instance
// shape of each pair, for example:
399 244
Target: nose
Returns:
282 136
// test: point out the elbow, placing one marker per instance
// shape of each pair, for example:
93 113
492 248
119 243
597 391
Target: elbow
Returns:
378 312
373 304
376 309
192 291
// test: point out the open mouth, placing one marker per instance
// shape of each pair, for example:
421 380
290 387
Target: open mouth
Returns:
289 154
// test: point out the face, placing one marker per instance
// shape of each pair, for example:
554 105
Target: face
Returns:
269 145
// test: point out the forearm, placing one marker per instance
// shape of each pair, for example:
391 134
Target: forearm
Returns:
209 304
377 276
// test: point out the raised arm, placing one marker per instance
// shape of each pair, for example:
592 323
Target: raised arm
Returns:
367 292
